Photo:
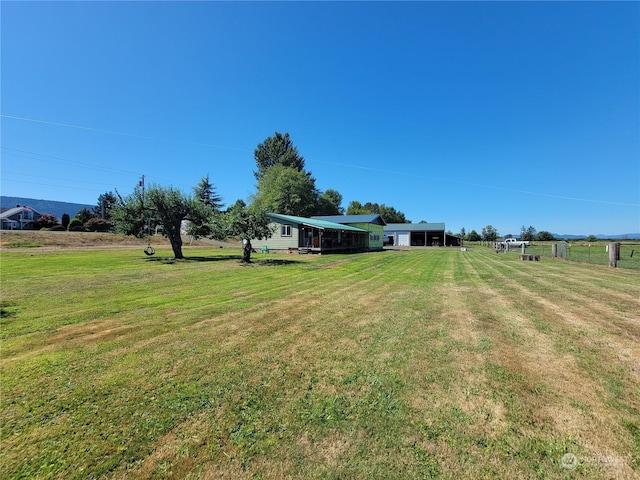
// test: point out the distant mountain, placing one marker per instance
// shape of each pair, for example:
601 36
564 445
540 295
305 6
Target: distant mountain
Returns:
623 236
44 206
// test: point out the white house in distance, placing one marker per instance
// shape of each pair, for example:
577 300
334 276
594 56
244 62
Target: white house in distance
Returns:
18 218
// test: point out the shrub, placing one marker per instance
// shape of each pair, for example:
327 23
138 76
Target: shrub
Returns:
98 225
47 220
75 225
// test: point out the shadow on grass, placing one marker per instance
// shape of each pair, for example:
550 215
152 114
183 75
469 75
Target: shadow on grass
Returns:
7 309
170 260
274 261
268 262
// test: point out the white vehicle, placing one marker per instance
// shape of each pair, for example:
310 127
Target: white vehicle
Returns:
512 242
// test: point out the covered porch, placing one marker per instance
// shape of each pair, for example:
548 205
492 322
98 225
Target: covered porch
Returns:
314 239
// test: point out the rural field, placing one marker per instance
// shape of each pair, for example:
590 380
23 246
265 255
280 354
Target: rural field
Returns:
427 363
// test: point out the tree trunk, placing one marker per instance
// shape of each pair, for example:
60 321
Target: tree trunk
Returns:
176 242
246 251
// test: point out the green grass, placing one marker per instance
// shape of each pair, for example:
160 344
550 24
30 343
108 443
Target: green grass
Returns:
420 364
595 253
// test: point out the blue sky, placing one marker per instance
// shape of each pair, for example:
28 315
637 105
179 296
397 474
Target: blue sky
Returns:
468 113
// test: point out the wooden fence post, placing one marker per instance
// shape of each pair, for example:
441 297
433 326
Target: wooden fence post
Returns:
614 254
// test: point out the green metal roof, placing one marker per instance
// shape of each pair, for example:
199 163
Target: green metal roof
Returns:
344 219
314 222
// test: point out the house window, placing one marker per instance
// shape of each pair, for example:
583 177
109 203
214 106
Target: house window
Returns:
286 231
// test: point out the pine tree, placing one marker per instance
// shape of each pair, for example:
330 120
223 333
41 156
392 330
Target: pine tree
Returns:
206 194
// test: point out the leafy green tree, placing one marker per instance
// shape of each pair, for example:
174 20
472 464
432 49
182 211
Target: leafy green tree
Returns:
277 150
171 207
389 214
356 208
165 206
106 202
590 238
330 203
287 191
325 207
474 236
489 234
528 233
205 220
247 224
206 194
544 236
84 215
129 216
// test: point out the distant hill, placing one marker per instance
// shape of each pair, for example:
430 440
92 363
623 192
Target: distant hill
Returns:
623 236
44 206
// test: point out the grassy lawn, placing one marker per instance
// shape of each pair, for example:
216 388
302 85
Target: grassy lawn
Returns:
431 363
585 252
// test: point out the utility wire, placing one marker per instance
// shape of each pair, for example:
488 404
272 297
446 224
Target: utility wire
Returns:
124 134
392 172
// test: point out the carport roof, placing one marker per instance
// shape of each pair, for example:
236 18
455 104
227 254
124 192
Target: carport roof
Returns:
314 222
415 227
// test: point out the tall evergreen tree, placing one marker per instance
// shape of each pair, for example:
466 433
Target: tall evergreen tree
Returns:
205 192
277 150
106 202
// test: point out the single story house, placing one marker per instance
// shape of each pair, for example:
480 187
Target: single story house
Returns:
312 235
18 218
420 235
372 223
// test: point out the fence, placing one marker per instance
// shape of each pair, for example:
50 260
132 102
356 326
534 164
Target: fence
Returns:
595 253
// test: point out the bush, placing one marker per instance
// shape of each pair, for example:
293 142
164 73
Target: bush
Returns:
98 225
75 225
58 228
47 220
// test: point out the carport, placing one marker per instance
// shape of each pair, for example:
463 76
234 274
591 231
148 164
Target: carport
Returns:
420 235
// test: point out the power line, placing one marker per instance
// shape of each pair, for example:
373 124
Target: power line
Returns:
470 184
392 172
30 175
124 134
50 185
26 153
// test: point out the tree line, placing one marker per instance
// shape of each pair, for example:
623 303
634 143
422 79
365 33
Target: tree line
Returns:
283 186
490 234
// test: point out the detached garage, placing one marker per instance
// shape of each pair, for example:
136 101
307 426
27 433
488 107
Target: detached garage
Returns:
420 235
